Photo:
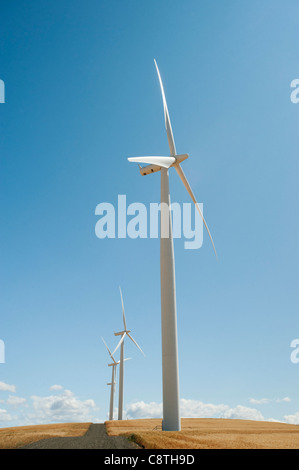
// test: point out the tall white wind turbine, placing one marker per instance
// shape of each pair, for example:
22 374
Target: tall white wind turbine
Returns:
113 381
125 332
171 410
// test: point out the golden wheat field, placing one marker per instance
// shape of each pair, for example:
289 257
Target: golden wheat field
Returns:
11 438
206 433
196 433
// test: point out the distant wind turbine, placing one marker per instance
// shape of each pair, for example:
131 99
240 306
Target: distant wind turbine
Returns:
113 381
171 412
123 334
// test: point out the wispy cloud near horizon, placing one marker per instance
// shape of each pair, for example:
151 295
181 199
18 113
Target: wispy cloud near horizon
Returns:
263 401
193 409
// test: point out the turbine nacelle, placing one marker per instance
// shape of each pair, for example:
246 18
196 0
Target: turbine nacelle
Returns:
113 364
154 167
122 332
118 362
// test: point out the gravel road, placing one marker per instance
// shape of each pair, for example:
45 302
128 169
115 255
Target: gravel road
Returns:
95 438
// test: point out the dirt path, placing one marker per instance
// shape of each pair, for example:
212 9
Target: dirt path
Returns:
95 438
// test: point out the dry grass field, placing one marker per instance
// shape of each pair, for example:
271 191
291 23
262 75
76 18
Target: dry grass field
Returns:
11 438
196 433
201 433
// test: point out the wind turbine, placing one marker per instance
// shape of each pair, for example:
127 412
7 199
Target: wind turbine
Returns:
113 381
170 376
123 334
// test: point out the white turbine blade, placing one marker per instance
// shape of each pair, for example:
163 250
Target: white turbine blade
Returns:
109 351
166 115
122 338
187 186
165 162
135 343
123 308
107 347
113 359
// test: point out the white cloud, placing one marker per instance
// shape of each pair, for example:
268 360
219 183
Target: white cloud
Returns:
64 407
198 409
242 412
273 420
259 401
6 387
56 387
286 399
15 401
61 407
144 410
193 409
292 419
262 401
4 415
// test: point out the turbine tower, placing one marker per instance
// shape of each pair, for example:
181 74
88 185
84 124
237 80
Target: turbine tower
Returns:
170 372
123 334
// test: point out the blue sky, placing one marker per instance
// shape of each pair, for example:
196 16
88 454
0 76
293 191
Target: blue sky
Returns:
82 95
